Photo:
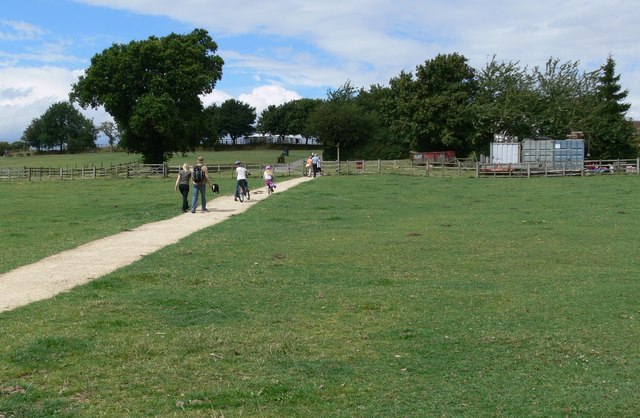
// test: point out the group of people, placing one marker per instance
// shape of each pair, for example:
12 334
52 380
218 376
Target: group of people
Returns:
313 165
198 177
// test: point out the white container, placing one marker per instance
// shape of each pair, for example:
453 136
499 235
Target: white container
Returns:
505 153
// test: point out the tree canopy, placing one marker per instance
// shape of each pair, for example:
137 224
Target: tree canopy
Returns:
433 109
236 119
62 126
151 88
447 104
610 133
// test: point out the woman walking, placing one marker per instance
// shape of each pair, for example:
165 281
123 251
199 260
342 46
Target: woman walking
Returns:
182 185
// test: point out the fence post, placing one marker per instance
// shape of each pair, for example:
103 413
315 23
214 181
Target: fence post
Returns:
638 166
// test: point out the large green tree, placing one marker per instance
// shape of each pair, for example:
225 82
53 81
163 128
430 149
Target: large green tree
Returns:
297 116
560 90
433 110
502 103
237 119
341 125
273 121
380 143
61 126
290 118
609 132
211 125
151 88
34 135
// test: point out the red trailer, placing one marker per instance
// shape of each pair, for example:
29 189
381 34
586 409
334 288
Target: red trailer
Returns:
434 156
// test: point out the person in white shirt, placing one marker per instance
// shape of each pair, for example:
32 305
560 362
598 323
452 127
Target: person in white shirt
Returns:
241 179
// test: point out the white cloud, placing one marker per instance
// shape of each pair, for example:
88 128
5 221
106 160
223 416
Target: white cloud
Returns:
217 97
26 93
259 98
275 48
262 97
370 42
19 31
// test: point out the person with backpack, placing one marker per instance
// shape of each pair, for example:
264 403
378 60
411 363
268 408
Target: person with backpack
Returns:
200 178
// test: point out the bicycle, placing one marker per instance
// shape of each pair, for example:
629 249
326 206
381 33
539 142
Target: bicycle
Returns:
243 191
270 186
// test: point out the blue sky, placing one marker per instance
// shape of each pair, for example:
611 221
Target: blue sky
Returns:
287 49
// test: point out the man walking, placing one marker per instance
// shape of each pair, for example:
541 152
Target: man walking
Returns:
200 178
314 164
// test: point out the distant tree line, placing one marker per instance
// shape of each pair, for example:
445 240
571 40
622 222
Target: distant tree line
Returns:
152 90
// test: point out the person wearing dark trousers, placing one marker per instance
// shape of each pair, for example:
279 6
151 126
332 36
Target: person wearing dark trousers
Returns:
182 185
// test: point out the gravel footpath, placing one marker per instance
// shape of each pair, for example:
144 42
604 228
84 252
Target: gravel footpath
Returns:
63 271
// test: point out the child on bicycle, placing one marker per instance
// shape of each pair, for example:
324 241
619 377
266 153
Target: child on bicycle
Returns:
241 180
267 175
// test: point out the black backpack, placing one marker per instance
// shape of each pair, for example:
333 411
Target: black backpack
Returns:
198 173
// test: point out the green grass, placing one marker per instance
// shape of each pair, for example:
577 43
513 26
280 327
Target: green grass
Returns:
106 158
39 219
357 296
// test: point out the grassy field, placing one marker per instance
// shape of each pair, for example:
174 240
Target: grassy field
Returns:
39 219
106 158
356 296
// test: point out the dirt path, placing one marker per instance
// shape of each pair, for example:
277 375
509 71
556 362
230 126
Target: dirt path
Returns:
63 271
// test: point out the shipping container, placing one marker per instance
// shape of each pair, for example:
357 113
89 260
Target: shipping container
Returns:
537 151
505 153
561 153
568 153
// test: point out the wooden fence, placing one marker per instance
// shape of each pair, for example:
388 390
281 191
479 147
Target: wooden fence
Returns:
133 170
585 168
455 168
127 170
471 168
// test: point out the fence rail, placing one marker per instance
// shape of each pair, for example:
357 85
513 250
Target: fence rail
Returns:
83 173
548 169
455 168
132 170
